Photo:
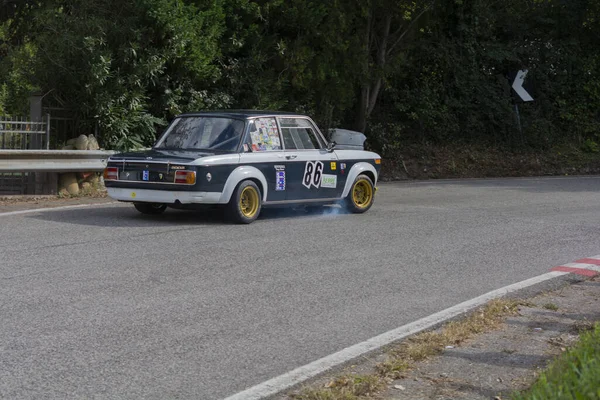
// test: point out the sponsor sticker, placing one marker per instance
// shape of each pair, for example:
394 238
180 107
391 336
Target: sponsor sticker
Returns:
280 181
329 181
333 165
133 195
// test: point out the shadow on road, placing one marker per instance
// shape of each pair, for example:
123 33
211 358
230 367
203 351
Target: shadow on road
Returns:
128 217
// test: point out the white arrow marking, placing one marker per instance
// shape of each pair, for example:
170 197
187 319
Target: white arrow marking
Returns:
518 85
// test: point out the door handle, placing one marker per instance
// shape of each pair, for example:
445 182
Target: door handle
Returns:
291 156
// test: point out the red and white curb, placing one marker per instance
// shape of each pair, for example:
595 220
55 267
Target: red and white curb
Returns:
588 267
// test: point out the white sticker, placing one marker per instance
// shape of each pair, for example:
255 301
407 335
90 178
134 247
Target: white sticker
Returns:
329 181
313 171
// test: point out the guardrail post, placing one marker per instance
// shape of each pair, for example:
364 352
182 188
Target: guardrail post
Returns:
48 131
1 130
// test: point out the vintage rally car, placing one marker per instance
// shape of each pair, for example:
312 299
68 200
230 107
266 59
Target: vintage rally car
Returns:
245 160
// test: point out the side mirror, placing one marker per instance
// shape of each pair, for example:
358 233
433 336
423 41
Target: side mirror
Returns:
331 146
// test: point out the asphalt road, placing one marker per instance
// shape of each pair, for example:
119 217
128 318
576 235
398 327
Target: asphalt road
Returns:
103 302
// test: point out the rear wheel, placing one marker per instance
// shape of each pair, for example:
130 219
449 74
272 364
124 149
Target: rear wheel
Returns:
361 196
245 204
150 208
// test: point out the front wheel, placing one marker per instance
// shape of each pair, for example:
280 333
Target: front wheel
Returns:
361 196
245 204
150 208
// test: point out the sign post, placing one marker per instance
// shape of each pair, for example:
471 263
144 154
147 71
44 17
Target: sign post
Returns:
523 95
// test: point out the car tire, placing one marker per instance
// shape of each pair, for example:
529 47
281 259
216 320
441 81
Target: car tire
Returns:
150 208
361 196
245 203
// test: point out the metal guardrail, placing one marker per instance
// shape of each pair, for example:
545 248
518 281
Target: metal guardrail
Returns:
53 160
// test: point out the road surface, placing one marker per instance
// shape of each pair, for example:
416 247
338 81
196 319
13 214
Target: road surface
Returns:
105 302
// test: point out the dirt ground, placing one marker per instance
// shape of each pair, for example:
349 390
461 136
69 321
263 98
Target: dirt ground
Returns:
472 161
497 363
492 365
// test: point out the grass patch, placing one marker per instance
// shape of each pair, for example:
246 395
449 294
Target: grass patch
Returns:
574 375
427 344
344 388
551 306
417 348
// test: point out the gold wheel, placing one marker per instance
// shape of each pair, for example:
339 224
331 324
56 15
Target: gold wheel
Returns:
362 193
249 202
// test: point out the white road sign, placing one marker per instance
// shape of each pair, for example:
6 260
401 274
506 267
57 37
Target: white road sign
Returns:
518 85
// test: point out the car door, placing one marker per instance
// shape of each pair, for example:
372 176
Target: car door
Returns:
312 170
262 149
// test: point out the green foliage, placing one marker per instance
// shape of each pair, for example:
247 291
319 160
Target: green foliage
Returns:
455 86
131 65
412 71
590 146
573 376
16 71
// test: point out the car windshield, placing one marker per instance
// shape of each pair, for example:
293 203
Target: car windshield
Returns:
203 133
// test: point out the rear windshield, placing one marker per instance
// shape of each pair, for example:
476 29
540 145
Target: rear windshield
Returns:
203 133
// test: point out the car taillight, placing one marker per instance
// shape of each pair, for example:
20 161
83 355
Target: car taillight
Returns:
185 177
111 174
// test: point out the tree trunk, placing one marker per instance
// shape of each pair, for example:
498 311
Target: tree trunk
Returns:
360 123
370 92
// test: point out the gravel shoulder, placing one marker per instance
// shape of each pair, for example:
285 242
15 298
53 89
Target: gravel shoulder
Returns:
490 365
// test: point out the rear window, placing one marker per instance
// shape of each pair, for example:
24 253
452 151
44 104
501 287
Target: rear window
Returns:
203 133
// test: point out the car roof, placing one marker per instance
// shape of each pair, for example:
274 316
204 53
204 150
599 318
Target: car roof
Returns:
240 114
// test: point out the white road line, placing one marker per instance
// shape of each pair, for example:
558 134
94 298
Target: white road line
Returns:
301 374
36 210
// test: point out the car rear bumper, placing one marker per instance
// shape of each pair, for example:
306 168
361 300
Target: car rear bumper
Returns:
163 196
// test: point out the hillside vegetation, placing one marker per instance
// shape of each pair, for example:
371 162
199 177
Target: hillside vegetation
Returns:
411 74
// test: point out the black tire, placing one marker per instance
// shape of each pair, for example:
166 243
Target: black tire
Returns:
150 208
361 196
245 203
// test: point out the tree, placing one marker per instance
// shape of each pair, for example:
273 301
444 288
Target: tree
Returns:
384 25
127 64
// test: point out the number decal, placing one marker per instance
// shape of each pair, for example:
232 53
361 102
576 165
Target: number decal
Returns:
313 172
318 174
308 171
